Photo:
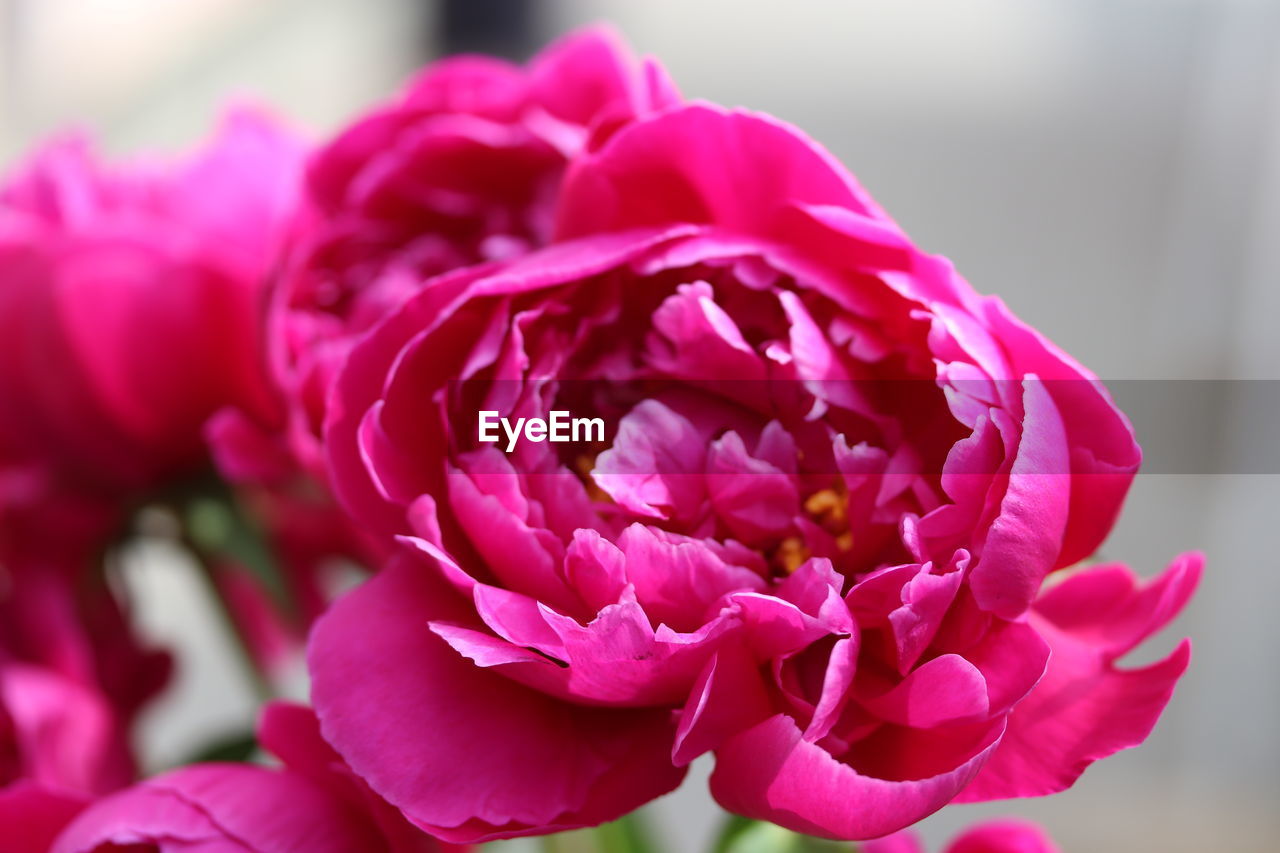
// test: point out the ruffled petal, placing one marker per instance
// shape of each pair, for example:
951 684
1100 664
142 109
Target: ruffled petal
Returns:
770 772
507 760
1085 708
221 808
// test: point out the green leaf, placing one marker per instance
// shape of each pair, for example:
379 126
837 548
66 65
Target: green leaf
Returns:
218 527
628 834
237 747
742 835
734 826
209 523
759 837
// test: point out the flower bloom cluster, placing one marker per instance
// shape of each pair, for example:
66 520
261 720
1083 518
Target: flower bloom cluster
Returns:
830 522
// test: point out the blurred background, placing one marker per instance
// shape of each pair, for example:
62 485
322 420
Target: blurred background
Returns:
1110 167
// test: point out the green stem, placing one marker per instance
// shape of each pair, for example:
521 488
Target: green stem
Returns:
742 835
565 842
628 834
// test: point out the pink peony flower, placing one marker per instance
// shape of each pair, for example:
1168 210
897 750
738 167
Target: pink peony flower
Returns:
130 303
309 804
812 539
1006 835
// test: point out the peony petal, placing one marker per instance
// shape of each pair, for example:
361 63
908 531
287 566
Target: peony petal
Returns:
638 178
1025 539
947 689
595 568
1112 608
584 75
678 578
729 697
1085 708
221 807
1104 453
655 465
291 732
755 500
509 761
66 734
692 333
32 817
771 773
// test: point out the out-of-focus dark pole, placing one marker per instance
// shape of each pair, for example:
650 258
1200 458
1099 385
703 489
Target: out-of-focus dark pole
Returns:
507 28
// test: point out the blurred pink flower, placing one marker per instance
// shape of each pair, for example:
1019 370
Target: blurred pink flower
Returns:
132 296
57 609
72 677
73 674
1005 835
131 301
58 734
812 541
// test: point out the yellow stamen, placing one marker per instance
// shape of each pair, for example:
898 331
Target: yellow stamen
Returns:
830 508
584 465
791 554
